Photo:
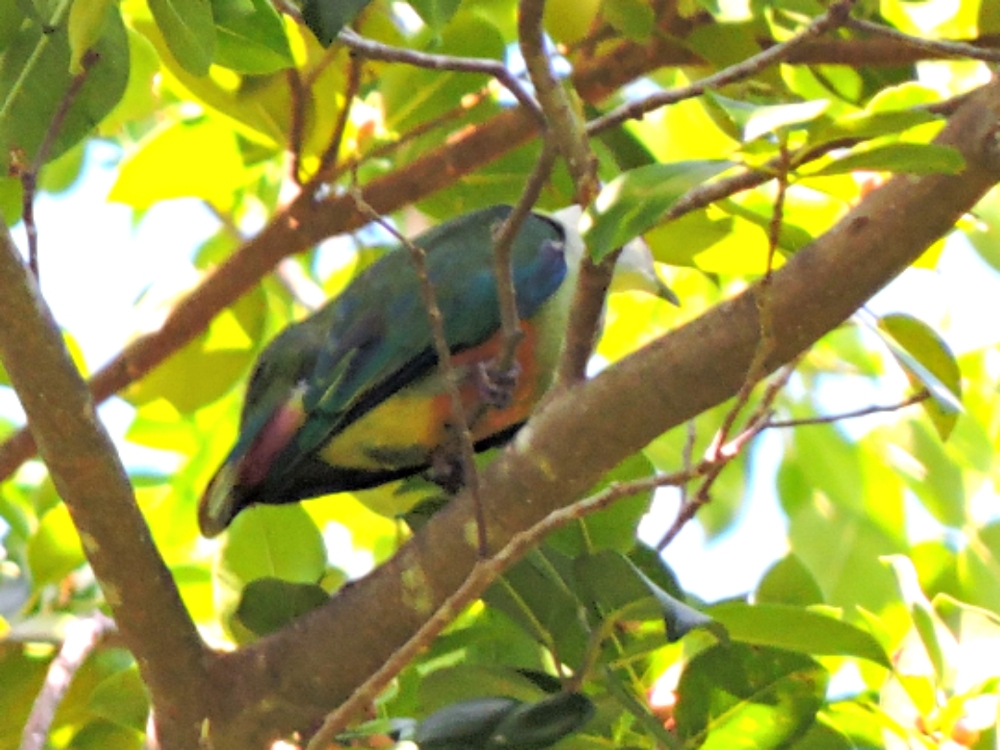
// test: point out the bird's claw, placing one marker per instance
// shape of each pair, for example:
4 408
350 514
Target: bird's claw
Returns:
496 385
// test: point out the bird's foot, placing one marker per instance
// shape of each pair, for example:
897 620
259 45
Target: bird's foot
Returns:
446 470
496 385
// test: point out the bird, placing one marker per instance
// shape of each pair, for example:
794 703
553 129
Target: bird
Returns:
352 397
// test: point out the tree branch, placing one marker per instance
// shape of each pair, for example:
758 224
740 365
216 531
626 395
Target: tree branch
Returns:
90 479
664 384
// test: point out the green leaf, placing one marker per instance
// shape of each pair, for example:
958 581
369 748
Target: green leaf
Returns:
325 18
87 19
614 584
750 121
413 95
34 80
54 550
250 37
678 242
102 735
11 17
870 124
765 120
788 581
189 30
615 526
937 640
273 541
537 594
436 13
268 604
929 362
739 696
633 18
634 202
265 541
797 629
121 699
443 687
905 158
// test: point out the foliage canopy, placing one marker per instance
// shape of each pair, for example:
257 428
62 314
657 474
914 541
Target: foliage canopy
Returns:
784 160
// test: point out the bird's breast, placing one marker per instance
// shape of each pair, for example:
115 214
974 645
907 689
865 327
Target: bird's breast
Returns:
404 430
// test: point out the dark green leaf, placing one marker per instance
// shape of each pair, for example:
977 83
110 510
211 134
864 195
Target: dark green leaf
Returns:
538 725
928 361
250 36
739 696
268 604
325 18
797 629
906 158
634 202
34 80
463 725
189 30
537 594
633 18
614 584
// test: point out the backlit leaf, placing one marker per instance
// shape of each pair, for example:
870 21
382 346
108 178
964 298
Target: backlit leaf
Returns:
634 202
795 628
928 362
189 29
905 158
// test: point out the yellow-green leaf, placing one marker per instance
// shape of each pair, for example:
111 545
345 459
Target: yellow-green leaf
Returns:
190 159
928 362
189 28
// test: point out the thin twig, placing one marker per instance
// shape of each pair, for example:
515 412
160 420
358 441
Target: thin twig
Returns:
934 46
916 398
482 575
29 177
297 100
377 51
718 457
502 247
460 421
687 455
565 124
723 449
82 637
329 157
837 15
469 103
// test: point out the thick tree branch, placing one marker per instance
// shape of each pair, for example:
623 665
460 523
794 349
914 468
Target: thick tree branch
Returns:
90 479
569 444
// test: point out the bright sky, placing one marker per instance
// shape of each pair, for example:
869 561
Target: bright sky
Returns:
94 265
